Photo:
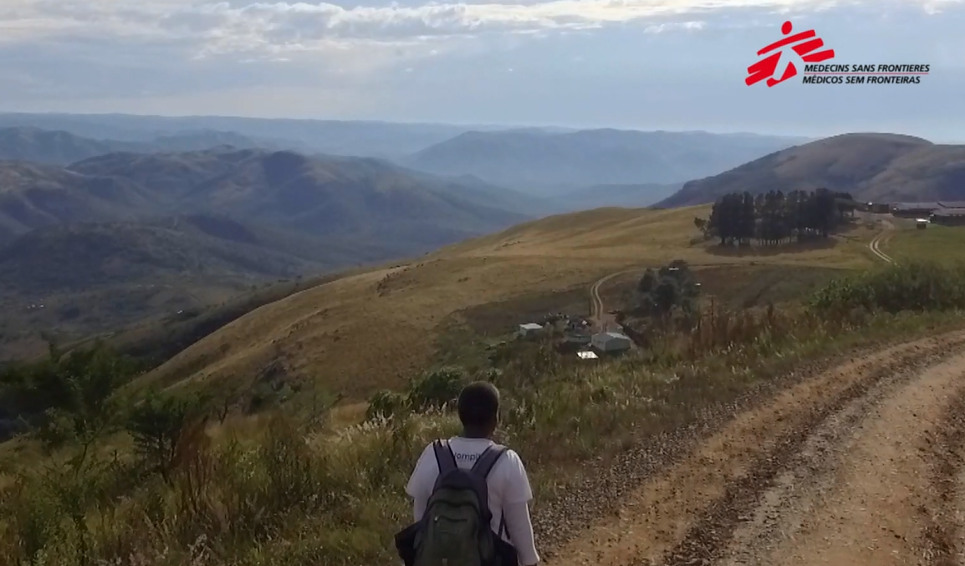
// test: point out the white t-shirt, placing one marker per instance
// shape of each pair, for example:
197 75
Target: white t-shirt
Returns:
507 481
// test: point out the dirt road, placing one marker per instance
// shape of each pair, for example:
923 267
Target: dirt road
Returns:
881 239
601 319
859 464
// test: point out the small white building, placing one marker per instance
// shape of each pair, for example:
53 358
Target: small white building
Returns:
587 355
611 342
529 329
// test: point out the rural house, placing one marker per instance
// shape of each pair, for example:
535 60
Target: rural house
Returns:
610 342
914 209
529 329
949 216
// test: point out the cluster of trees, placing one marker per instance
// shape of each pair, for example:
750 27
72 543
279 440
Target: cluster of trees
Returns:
671 286
775 217
75 398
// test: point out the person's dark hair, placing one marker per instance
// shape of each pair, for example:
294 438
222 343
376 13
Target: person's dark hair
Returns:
478 404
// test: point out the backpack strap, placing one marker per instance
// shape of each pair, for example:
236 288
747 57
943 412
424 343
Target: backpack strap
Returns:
484 464
444 457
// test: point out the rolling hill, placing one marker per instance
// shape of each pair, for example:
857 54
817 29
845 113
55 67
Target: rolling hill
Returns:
871 166
80 256
344 199
360 138
81 278
377 328
361 202
33 196
59 147
625 196
85 235
553 163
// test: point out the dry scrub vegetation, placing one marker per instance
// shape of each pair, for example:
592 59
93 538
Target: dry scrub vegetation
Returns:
163 482
375 329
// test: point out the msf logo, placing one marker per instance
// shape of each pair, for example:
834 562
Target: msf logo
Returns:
767 67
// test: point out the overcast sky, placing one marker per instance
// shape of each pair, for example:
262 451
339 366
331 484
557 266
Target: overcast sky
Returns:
647 64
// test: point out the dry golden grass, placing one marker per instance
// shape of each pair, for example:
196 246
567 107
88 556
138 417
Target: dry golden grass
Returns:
252 491
378 328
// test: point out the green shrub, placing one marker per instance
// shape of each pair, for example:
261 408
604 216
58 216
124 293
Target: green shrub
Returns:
157 424
386 404
436 388
915 286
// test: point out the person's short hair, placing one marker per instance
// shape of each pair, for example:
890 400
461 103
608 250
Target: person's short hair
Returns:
478 404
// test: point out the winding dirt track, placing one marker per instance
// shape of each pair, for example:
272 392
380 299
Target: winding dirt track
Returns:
881 239
860 464
599 316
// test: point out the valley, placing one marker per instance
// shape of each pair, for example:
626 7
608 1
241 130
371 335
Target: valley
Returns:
303 318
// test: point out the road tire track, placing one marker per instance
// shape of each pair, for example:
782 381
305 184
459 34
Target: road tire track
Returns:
943 538
598 314
708 539
881 239
685 508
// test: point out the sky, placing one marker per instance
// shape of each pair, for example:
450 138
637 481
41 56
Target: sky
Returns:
642 64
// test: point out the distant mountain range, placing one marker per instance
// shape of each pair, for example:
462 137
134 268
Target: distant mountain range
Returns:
547 170
173 230
359 201
58 147
870 166
553 164
108 220
83 278
351 138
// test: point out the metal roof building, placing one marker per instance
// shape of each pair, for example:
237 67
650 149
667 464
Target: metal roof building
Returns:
529 329
910 206
611 342
949 216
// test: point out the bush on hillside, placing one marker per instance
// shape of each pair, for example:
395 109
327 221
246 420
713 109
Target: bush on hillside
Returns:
432 390
80 382
386 404
671 287
916 286
157 426
436 388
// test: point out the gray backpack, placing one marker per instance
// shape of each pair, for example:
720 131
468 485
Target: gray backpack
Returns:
456 528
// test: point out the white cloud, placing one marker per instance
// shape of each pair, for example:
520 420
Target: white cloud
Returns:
675 26
276 28
100 49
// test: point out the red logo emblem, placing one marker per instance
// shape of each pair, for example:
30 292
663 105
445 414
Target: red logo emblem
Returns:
765 68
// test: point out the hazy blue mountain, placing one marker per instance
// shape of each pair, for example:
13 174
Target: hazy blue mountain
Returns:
60 147
369 139
554 163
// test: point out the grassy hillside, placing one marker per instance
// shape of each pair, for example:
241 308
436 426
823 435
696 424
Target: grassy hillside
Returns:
378 208
171 480
75 237
626 196
943 243
379 328
365 201
77 279
157 339
873 167
552 163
